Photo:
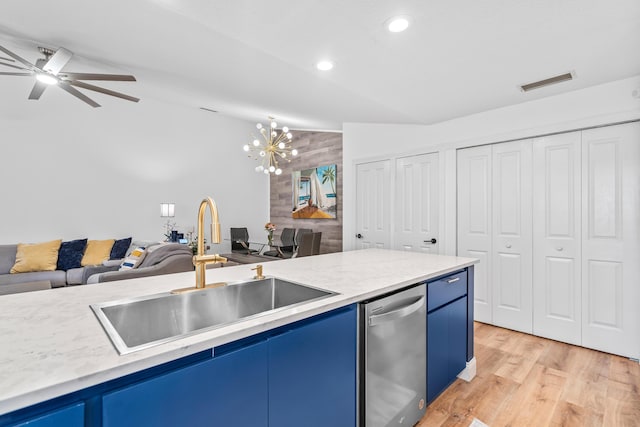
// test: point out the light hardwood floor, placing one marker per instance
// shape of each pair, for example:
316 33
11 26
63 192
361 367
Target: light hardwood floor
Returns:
524 380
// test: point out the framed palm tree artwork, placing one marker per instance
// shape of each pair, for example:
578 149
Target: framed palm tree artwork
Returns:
314 193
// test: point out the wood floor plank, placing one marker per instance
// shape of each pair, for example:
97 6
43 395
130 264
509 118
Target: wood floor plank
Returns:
524 381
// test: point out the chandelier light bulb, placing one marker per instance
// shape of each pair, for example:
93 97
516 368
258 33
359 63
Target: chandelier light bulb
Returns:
259 125
324 65
285 129
281 145
289 135
294 152
266 171
283 155
259 168
262 153
278 171
398 25
272 168
256 142
273 125
246 147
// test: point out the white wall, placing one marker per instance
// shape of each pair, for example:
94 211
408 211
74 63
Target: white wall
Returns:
598 105
70 171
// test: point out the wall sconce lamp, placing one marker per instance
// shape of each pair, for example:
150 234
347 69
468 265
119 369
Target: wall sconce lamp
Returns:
167 210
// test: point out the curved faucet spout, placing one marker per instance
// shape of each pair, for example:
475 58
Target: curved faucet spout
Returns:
200 260
215 223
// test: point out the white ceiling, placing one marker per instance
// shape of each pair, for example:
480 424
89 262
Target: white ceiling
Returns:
250 58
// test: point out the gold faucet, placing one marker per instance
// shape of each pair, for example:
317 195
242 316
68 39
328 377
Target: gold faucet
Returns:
200 260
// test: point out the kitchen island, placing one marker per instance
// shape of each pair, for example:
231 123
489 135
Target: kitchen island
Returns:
52 345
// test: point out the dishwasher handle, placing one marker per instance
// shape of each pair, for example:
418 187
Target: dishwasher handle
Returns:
399 313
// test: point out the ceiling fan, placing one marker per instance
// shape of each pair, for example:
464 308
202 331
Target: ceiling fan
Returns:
48 72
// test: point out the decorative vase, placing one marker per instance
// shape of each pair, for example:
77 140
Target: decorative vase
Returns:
270 238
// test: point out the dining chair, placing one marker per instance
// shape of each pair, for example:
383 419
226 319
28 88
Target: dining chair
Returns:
240 240
305 245
299 234
287 243
316 242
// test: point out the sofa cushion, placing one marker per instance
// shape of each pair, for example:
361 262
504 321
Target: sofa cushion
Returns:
74 276
36 257
134 259
159 253
139 243
97 251
70 254
57 278
119 249
7 257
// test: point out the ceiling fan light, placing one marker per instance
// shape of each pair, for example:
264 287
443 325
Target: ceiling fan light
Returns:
47 79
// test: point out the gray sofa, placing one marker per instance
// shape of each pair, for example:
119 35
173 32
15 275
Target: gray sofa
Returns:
167 258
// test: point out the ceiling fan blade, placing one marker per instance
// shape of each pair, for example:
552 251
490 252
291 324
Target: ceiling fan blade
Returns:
92 76
29 65
75 92
103 90
15 74
6 59
57 61
14 66
37 90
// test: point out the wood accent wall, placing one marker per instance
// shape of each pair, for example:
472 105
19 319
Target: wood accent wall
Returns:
316 149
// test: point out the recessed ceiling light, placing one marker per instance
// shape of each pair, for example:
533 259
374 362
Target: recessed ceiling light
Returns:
324 65
398 24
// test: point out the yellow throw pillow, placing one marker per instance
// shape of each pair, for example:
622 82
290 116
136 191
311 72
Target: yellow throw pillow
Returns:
97 251
36 257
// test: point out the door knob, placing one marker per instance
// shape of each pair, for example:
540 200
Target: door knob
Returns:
359 236
431 242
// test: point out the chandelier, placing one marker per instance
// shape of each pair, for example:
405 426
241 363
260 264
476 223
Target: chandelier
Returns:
274 146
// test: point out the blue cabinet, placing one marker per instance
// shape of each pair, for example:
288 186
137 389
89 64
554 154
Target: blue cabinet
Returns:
312 373
69 416
447 332
227 390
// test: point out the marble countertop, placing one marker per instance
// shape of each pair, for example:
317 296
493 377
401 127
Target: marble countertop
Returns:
51 342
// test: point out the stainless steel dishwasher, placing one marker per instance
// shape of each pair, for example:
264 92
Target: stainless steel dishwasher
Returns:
394 365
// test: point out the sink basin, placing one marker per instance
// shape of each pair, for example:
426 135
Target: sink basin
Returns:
138 323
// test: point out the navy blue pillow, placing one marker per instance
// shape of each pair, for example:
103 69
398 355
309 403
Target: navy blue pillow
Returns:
119 248
70 254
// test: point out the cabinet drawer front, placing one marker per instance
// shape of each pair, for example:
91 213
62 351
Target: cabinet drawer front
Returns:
446 289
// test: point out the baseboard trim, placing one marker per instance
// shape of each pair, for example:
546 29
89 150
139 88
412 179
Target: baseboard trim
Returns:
469 372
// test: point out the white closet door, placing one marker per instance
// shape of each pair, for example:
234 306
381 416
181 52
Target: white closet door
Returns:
416 220
611 239
557 297
373 205
512 248
474 221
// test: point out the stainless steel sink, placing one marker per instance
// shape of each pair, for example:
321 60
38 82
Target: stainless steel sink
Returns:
138 323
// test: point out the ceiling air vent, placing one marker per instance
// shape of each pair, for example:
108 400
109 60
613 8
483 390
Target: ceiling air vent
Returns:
546 82
208 109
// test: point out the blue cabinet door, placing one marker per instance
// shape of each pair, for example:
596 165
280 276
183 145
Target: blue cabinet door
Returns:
69 416
446 346
312 373
227 390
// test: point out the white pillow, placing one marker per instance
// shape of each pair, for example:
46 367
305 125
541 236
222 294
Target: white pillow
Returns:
134 259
